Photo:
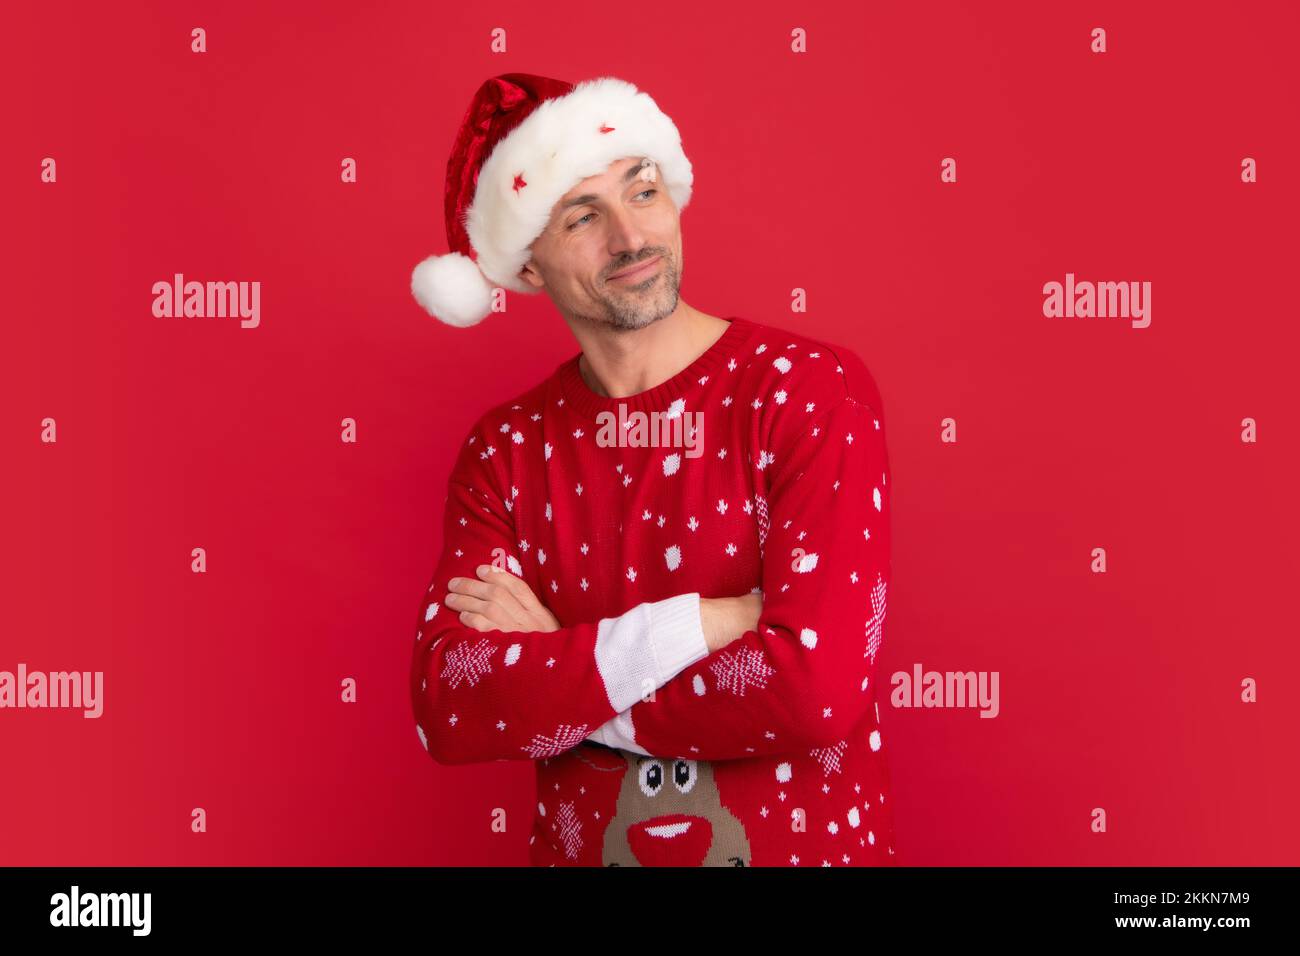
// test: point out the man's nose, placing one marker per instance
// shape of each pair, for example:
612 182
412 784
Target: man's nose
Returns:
625 235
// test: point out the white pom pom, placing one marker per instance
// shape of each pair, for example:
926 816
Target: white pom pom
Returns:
452 289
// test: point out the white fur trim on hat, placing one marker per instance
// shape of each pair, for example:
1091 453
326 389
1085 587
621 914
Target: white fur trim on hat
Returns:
452 288
556 147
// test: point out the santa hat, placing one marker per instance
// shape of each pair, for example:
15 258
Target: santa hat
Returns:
525 141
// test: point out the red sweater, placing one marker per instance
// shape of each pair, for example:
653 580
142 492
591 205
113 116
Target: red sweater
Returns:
649 750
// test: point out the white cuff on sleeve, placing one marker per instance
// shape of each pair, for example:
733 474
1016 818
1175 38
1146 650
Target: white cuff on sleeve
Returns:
618 732
677 634
643 649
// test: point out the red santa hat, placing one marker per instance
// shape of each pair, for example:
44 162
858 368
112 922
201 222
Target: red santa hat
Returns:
525 141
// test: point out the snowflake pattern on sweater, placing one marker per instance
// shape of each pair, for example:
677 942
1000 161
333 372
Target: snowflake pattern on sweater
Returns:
649 750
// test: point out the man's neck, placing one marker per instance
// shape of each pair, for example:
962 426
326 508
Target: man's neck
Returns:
617 364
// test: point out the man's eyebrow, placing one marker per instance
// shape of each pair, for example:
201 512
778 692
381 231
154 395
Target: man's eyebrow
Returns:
628 175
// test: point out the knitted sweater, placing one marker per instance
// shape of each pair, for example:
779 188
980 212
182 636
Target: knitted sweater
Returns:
764 470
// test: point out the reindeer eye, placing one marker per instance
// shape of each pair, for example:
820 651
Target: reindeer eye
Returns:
652 777
684 774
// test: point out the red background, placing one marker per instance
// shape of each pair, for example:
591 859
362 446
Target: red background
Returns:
818 171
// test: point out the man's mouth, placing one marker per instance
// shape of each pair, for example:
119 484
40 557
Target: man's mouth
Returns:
642 270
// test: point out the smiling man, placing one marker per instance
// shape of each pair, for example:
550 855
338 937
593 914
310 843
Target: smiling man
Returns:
685 645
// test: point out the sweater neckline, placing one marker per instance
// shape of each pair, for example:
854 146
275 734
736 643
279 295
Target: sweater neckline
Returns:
578 394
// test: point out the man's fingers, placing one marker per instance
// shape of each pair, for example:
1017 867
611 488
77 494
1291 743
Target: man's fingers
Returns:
522 593
477 621
471 587
492 611
509 592
489 598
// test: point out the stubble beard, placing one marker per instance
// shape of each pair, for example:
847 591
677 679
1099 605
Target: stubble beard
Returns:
630 307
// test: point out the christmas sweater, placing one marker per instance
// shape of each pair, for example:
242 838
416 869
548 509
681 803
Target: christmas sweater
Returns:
759 468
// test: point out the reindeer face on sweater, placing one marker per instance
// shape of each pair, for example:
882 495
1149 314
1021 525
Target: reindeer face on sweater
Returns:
669 813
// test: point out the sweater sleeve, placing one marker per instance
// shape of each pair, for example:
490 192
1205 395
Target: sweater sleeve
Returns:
493 695
802 679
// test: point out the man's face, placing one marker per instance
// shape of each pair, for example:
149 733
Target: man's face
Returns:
622 219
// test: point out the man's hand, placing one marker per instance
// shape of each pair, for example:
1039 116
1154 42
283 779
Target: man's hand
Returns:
498 601
727 619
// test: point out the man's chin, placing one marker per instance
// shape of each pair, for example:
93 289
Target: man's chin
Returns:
639 318
632 323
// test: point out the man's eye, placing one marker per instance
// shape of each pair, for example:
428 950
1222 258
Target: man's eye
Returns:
578 222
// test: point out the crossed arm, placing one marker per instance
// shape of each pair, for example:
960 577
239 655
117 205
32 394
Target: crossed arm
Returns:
496 600
788 672
801 679
499 678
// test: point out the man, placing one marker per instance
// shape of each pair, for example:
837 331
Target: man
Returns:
664 567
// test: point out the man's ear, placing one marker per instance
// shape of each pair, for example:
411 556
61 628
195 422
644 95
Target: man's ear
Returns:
530 275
